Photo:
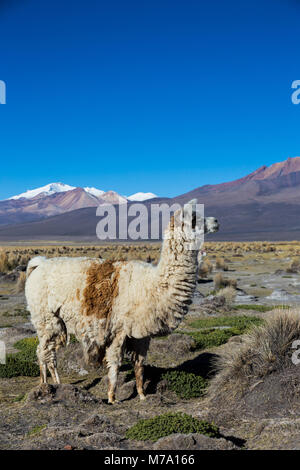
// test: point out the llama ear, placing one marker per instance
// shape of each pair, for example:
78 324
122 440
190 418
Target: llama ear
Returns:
193 201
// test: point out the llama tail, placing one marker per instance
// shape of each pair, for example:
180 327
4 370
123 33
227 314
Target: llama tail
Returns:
33 264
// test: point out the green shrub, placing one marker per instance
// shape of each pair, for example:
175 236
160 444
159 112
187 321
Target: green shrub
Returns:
27 348
240 322
16 367
170 423
22 363
213 337
184 384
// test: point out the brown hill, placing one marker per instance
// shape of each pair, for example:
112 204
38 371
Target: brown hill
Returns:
39 207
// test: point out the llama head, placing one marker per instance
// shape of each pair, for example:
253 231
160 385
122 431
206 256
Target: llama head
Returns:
188 225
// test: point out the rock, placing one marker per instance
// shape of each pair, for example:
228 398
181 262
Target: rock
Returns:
47 393
210 305
192 442
180 344
126 390
103 440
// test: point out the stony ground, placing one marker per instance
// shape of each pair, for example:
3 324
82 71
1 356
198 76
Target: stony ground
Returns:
77 414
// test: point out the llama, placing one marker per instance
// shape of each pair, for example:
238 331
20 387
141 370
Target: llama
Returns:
113 306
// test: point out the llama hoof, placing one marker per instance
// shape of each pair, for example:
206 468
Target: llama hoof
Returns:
114 402
142 397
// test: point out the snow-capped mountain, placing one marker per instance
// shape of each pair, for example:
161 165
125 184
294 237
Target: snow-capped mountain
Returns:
59 198
47 190
94 191
141 196
109 196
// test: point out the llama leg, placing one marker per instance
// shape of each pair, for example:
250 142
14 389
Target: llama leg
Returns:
52 366
139 356
139 376
42 364
114 360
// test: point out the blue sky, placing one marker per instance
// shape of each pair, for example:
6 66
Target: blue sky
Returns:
159 95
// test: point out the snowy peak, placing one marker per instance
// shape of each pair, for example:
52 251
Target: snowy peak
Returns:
47 190
141 196
91 193
94 191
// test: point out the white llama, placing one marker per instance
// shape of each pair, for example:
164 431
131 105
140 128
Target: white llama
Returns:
111 306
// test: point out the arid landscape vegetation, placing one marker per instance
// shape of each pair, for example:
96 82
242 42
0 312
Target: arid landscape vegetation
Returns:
223 380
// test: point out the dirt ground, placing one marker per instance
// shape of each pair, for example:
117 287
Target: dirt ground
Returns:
77 414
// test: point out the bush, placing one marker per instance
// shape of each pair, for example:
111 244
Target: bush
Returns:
16 367
184 384
22 363
213 337
170 423
27 348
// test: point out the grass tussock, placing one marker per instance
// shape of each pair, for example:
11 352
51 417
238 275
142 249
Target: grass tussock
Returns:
294 266
229 293
265 350
221 264
153 429
20 286
205 269
4 264
220 282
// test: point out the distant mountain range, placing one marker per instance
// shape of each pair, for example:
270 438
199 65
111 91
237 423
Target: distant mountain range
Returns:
58 198
264 205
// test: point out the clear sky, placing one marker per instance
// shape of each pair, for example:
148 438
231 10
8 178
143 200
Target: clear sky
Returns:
158 95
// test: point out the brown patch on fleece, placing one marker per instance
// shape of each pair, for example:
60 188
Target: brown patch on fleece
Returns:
101 289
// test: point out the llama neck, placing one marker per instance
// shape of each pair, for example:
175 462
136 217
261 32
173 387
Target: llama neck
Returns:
177 271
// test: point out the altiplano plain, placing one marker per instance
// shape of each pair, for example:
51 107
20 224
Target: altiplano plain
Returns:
240 285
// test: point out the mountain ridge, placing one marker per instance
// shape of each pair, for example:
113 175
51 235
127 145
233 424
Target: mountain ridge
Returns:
263 205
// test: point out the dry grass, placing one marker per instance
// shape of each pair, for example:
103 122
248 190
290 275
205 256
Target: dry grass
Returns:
294 266
220 264
265 350
20 286
205 269
11 257
4 265
229 293
220 282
